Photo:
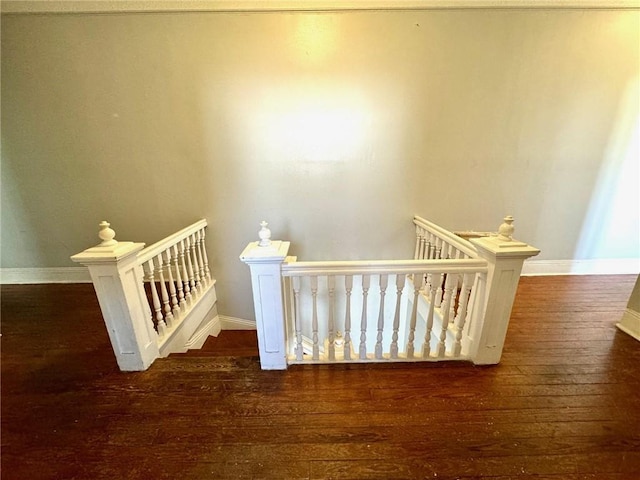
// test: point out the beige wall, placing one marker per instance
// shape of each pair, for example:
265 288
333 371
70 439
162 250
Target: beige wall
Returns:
154 120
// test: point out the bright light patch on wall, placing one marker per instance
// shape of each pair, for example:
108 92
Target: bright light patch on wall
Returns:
317 134
612 224
305 128
308 118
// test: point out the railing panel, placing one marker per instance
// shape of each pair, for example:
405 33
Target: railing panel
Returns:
329 294
452 301
176 276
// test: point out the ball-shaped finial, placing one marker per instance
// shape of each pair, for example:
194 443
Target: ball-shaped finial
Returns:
505 231
264 234
106 234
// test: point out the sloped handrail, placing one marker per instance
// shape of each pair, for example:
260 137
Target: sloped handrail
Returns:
160 246
450 238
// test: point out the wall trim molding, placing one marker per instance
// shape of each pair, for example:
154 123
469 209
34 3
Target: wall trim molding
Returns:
630 323
208 328
234 323
44 275
612 266
624 266
168 6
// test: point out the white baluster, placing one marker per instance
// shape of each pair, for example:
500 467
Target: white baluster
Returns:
207 272
427 279
452 304
432 246
157 308
444 250
172 286
426 346
460 320
168 316
196 267
423 246
187 270
437 280
297 320
438 252
366 281
331 285
418 278
446 309
400 280
203 276
314 320
416 253
177 265
348 283
188 261
383 290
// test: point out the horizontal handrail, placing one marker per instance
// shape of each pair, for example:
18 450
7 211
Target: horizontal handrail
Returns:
458 242
152 250
358 267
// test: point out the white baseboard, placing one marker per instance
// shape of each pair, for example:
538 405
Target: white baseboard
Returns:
614 266
234 323
44 275
630 323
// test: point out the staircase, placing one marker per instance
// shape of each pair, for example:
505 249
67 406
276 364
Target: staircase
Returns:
228 343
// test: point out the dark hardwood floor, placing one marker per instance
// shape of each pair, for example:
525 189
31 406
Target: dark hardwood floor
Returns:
564 404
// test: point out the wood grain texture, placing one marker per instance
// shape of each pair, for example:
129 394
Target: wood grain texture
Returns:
564 404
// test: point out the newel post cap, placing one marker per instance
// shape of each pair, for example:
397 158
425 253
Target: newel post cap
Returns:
503 244
276 251
108 250
265 250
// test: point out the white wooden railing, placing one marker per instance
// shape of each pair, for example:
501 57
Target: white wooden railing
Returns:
156 300
388 307
435 242
451 302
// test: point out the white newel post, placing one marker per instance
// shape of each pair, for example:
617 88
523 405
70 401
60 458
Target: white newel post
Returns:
265 259
118 282
505 257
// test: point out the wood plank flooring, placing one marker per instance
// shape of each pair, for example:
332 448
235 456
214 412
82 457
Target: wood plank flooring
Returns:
564 403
